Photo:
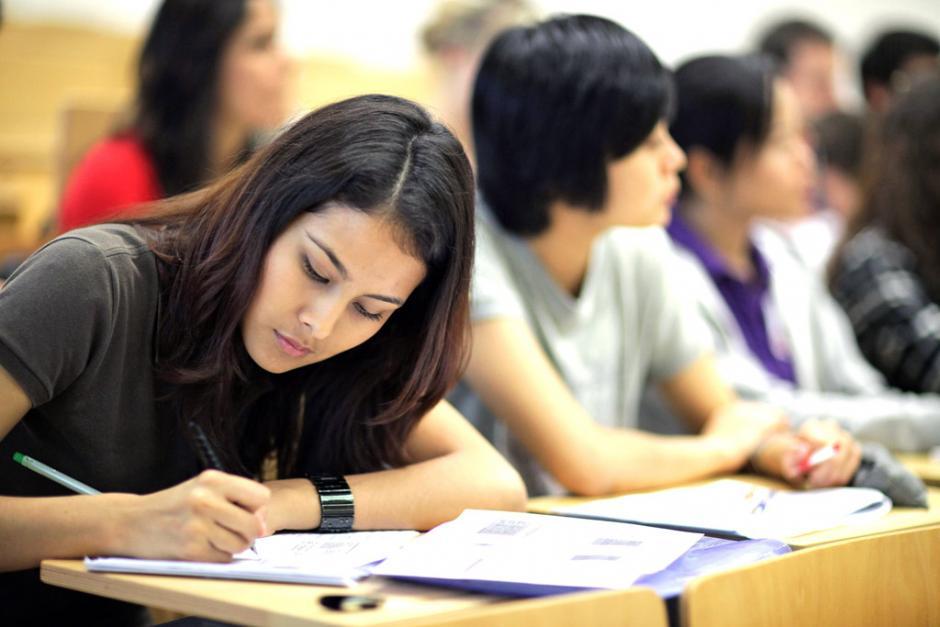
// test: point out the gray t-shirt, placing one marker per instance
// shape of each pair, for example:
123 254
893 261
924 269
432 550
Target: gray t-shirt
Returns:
629 325
77 332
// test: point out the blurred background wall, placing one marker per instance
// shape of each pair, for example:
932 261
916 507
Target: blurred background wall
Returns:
60 55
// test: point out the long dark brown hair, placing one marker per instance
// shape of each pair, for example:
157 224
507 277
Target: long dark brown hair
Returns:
377 154
902 181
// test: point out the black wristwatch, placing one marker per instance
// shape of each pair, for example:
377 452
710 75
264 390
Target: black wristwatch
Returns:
336 503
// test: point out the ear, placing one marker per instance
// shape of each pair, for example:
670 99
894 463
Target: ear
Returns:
704 173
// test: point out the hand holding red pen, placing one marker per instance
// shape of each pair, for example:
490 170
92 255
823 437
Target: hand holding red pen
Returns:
832 456
820 454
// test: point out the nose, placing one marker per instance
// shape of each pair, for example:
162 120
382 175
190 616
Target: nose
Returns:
321 315
677 158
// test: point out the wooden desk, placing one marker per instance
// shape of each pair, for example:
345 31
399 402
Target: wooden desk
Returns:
923 466
290 605
889 579
898 519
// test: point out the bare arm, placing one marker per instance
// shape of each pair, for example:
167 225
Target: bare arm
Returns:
512 374
198 519
454 468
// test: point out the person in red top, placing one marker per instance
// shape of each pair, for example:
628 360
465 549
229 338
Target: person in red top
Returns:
211 76
115 174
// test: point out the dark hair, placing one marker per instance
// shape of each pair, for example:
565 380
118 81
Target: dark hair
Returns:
377 154
178 76
781 39
553 104
890 50
839 141
723 102
902 189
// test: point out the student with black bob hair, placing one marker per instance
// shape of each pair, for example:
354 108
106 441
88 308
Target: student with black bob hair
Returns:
310 308
599 96
779 336
572 315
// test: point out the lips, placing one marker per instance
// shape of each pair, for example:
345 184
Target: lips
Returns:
291 346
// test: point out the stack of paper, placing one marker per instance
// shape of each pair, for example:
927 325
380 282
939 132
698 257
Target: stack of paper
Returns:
526 554
332 559
740 509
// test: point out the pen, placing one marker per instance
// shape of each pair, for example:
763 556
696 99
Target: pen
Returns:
818 456
204 449
51 473
209 458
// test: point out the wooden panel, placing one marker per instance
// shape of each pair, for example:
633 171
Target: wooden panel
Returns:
885 580
258 603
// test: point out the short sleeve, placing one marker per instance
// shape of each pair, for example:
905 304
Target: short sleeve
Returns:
678 334
493 293
54 310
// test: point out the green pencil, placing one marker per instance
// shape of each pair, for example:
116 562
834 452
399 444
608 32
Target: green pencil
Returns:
51 473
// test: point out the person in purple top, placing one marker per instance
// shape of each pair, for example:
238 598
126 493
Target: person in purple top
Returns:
779 336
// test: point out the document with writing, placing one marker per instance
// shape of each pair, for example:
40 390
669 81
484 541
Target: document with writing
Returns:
516 553
738 508
333 559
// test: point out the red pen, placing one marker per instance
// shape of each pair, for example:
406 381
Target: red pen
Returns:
820 455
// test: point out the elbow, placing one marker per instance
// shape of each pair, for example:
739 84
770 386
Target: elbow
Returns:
584 480
508 490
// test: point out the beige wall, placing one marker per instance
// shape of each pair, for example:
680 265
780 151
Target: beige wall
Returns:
45 68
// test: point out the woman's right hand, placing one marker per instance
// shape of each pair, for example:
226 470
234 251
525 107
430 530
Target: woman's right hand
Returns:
208 518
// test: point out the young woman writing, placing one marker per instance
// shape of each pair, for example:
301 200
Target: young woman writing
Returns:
311 305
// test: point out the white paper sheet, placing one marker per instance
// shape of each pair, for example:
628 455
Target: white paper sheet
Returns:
538 550
740 508
337 559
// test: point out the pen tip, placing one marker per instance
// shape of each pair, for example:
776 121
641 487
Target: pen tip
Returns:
18 458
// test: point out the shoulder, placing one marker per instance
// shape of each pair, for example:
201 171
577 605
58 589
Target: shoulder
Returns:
872 247
630 245
118 152
105 252
646 254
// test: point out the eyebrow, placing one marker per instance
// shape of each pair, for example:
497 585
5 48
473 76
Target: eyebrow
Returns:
345 273
329 253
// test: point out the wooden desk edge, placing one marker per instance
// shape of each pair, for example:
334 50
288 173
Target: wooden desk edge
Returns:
602 606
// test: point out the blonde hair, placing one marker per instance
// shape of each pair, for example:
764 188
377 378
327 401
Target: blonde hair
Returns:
471 24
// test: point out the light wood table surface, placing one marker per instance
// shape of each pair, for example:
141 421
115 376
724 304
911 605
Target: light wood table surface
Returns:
924 466
898 519
294 605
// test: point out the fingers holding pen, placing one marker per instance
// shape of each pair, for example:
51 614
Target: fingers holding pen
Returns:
233 507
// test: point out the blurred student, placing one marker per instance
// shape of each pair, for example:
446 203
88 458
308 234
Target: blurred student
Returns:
894 61
454 40
779 335
887 273
571 315
311 305
211 76
806 58
839 142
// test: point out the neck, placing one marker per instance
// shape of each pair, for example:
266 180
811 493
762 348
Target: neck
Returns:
565 248
725 231
227 141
